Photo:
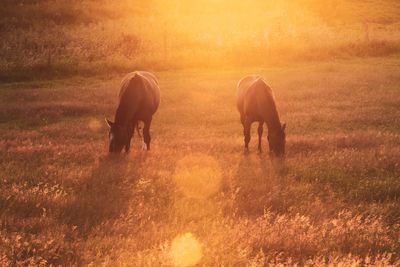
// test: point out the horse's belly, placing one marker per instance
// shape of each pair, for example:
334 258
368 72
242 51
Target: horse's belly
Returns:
252 113
145 112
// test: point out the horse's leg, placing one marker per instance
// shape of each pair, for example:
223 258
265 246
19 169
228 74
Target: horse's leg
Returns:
134 123
260 132
246 126
131 132
242 120
146 133
128 146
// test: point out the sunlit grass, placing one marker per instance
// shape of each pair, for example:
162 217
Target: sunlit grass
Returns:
196 199
70 38
198 175
63 201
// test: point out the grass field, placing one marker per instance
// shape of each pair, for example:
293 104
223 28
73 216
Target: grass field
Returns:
196 197
58 38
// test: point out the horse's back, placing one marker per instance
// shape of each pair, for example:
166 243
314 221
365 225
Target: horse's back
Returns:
153 87
149 76
254 97
140 91
242 87
246 81
147 79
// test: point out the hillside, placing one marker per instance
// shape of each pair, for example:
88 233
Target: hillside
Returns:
42 39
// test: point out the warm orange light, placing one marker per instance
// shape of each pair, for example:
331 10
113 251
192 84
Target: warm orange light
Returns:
198 175
94 124
186 250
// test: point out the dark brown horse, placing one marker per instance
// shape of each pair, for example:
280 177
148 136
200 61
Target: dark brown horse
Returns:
255 102
139 98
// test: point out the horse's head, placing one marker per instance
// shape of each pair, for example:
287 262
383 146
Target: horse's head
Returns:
119 136
277 141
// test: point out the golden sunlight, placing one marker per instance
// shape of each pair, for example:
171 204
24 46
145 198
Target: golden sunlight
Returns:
198 175
186 250
169 181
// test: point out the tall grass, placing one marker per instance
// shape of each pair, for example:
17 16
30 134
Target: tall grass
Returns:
56 38
63 201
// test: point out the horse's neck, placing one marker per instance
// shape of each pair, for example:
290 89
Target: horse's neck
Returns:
121 116
273 122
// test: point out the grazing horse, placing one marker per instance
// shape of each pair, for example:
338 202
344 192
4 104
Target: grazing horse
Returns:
255 102
139 98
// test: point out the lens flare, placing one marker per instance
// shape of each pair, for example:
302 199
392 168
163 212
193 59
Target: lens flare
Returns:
186 250
94 125
198 175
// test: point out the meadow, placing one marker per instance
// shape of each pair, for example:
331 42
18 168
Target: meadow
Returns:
58 39
196 197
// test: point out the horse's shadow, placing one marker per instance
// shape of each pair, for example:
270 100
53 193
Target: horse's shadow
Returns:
104 195
260 182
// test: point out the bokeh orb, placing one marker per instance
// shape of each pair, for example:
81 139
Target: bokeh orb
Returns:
198 175
94 125
186 250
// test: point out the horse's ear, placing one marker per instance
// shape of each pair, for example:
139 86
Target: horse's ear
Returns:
109 123
283 127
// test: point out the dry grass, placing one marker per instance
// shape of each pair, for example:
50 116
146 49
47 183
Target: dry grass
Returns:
42 39
63 201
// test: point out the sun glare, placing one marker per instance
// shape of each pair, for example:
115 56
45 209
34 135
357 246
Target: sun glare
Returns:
198 175
186 250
